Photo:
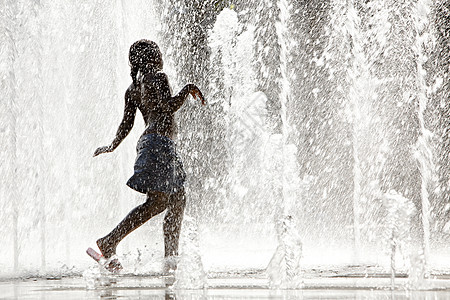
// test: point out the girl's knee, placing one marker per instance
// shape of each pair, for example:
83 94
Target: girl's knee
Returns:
157 198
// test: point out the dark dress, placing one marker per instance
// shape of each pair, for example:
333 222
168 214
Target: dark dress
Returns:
158 167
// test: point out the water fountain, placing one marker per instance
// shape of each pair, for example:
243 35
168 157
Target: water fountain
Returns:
314 109
397 227
190 273
424 150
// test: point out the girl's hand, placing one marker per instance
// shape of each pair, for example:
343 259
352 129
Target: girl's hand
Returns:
196 93
104 149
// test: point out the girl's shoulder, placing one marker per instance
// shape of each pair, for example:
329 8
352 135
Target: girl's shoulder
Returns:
156 80
161 76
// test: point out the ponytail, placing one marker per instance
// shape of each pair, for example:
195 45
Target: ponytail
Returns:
134 72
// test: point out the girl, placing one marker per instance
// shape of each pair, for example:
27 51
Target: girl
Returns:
158 171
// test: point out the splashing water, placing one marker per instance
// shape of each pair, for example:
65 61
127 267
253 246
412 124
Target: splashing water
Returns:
336 93
424 150
190 273
284 267
397 227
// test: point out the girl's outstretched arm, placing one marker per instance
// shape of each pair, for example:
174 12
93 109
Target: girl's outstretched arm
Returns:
192 89
168 103
125 126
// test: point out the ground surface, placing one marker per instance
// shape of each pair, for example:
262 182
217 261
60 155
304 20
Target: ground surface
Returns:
349 283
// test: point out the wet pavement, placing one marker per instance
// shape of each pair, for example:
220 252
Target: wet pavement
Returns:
223 286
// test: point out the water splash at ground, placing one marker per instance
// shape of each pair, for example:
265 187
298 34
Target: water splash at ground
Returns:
190 273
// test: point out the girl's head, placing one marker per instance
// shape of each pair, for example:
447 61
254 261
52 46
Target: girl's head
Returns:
144 56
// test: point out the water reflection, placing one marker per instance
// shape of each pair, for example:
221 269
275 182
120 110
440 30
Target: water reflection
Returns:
143 288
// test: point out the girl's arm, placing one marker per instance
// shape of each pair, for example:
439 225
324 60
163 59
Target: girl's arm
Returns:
178 100
171 104
125 126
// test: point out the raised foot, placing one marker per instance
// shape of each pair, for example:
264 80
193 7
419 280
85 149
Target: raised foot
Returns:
113 265
95 255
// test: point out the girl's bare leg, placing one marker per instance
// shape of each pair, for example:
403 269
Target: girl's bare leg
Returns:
156 203
172 223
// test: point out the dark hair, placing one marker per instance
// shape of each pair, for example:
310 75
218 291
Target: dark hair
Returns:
144 56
